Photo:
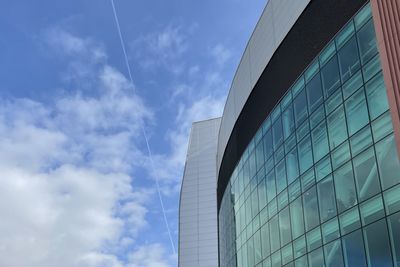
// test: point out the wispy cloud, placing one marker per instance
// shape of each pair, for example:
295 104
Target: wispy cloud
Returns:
68 166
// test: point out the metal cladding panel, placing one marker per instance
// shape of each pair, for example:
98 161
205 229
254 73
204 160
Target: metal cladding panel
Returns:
276 21
198 238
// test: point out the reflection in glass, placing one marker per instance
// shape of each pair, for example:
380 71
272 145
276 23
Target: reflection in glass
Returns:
353 250
345 189
377 245
310 203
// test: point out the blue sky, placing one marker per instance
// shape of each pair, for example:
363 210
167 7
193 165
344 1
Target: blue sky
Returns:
77 185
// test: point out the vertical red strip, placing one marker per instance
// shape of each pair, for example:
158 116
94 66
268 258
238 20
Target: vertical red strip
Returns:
386 15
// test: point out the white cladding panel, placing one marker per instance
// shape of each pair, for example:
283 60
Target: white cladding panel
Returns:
198 237
276 21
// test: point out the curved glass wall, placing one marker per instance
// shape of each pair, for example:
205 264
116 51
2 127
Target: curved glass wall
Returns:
319 184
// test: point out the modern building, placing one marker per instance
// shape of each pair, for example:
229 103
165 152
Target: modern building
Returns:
308 172
198 238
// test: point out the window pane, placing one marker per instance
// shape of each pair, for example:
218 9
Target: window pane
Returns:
356 112
361 141
340 155
314 92
294 190
323 168
310 202
280 172
382 126
292 165
333 101
355 82
345 189
350 220
328 52
303 130
333 254
266 249
301 262
287 255
330 230
288 122
367 42
284 226
372 210
307 179
345 34
299 247
259 155
262 194
394 230
274 233
314 239
305 154
388 162
372 68
377 245
320 141
271 190
337 128
316 258
257 247
363 16
353 250
267 140
317 116
376 96
276 259
296 216
349 61
277 133
366 174
392 199
300 108
250 252
330 76
327 201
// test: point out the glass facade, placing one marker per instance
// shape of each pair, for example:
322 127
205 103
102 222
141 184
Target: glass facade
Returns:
319 184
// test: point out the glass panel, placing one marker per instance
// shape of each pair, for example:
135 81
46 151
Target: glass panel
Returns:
349 61
280 172
287 100
282 199
284 226
277 133
288 122
301 262
276 259
376 96
267 140
337 128
345 189
372 68
314 93
307 180
350 221
275 113
292 165
298 86
345 34
327 201
287 254
356 112
320 141
361 141
330 230
311 71
266 263
317 116
372 210
353 250
266 249
330 76
382 126
314 239
394 231
310 203
327 53
272 208
299 247
303 130
355 82
333 254
259 155
305 154
388 162
300 108
290 142
377 245
366 174
367 42
392 199
271 190
323 168
296 217
294 190
340 155
333 101
363 15
274 233
257 247
316 258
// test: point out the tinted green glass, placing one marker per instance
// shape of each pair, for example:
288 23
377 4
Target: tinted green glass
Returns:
300 108
388 162
284 226
334 256
367 41
353 250
314 92
376 96
345 190
310 203
316 258
305 154
394 232
296 216
349 62
330 76
337 127
330 230
288 122
377 245
292 165
320 141
392 199
327 201
356 112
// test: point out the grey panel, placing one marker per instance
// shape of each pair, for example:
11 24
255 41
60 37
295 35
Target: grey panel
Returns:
198 239
276 21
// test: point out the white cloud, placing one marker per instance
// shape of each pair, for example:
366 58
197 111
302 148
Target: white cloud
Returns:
221 54
149 256
67 169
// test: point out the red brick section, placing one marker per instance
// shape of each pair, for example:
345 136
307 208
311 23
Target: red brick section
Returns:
386 15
